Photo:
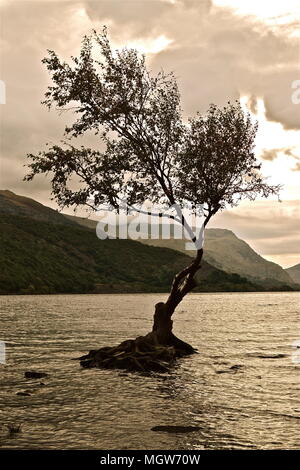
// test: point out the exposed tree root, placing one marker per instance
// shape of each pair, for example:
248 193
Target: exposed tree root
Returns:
144 354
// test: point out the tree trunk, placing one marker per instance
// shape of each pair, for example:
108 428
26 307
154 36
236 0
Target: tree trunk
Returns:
158 349
183 283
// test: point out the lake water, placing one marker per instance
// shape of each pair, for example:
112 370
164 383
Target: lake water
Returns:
253 406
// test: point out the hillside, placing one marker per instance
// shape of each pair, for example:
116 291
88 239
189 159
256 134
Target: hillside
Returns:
85 222
224 250
39 257
13 204
228 252
43 251
294 272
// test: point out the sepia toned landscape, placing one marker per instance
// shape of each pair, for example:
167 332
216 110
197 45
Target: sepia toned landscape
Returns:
150 219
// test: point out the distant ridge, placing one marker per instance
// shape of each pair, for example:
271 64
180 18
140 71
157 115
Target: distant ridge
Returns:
44 251
225 251
294 272
11 203
38 257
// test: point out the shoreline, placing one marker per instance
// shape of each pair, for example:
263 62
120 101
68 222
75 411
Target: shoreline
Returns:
153 293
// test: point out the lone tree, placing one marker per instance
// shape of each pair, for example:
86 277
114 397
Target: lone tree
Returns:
150 153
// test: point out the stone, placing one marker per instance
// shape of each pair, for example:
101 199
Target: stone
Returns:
35 375
175 429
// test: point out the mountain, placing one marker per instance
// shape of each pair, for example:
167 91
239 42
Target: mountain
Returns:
225 251
42 257
294 273
13 204
39 257
82 221
44 251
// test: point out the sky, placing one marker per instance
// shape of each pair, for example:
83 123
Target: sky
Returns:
219 50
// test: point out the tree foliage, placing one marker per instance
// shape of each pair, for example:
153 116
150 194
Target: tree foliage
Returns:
146 150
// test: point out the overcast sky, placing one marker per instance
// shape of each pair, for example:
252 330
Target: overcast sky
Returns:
218 49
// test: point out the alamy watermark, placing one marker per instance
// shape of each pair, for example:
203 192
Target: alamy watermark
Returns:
148 221
296 86
296 93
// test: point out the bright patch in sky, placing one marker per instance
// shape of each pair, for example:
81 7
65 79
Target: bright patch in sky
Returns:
150 46
263 9
271 135
275 14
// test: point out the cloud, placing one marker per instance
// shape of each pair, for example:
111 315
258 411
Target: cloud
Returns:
253 104
271 154
215 54
297 167
29 29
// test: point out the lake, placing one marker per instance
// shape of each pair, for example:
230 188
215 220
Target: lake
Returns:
253 406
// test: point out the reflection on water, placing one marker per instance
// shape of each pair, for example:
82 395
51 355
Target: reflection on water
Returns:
241 390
